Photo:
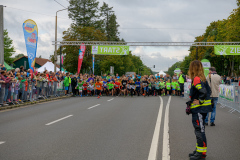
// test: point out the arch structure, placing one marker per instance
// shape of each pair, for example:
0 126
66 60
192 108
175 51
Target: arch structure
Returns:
107 43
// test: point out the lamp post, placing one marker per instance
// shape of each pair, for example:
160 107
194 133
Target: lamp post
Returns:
55 52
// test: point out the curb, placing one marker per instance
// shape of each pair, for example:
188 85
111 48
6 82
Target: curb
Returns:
32 103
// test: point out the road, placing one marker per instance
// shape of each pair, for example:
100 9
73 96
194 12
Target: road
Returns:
112 128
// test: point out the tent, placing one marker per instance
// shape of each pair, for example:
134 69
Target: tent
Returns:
161 73
7 66
49 66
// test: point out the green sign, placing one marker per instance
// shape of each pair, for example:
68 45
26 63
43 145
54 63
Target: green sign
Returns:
110 50
177 71
206 65
227 50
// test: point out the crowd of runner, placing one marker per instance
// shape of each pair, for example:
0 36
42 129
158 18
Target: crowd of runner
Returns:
15 84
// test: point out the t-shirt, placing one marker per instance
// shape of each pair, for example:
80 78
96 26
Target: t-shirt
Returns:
85 86
98 85
173 84
156 85
168 84
79 86
117 85
162 85
110 85
104 84
132 85
138 84
145 83
124 82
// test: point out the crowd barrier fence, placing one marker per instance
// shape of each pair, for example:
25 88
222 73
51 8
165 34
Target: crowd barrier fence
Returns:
228 95
31 91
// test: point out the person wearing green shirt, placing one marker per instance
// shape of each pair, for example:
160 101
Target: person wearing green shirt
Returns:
110 86
162 87
173 84
66 83
168 86
79 87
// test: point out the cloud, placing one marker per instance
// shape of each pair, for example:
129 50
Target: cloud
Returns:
149 58
162 20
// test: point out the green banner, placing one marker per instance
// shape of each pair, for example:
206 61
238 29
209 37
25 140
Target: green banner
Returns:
110 50
206 65
227 50
177 71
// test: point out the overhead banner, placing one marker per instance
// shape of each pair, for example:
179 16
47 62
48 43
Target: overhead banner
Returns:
110 50
30 31
206 65
227 50
80 56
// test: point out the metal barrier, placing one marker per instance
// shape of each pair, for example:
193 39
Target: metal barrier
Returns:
28 90
228 95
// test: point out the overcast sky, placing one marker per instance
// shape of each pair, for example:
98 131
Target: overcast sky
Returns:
140 21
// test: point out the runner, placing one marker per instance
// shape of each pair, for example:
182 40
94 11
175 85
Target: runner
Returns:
124 84
145 86
98 86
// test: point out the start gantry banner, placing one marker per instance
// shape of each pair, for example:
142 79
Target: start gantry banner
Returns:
110 50
227 50
30 31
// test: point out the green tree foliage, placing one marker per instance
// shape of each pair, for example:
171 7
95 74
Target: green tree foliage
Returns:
91 23
8 48
84 13
18 56
226 30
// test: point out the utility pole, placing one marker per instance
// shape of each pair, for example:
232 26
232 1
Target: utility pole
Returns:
108 25
55 52
232 66
1 36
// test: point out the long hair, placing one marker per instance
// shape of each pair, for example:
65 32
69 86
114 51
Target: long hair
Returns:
196 70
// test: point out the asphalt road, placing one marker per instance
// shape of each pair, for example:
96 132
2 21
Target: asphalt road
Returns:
112 128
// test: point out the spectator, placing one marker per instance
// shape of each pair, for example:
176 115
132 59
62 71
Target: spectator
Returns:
214 80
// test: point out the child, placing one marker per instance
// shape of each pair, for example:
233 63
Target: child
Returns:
173 84
132 86
85 89
157 87
91 88
98 86
117 86
168 86
110 87
138 87
145 86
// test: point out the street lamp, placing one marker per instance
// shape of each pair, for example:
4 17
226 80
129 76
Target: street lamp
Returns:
55 52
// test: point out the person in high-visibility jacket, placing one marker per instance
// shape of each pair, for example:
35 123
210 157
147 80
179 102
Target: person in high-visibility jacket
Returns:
200 105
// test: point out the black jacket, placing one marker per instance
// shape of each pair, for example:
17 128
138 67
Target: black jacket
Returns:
200 91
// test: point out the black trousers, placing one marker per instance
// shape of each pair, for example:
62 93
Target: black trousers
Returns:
198 124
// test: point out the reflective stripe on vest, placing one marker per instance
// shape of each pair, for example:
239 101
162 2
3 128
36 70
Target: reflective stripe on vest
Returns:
206 103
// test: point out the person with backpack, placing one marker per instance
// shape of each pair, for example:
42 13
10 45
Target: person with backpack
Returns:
200 105
214 80
181 80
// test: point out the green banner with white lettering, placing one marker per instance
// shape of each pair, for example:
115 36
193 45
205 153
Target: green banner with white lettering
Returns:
227 50
110 50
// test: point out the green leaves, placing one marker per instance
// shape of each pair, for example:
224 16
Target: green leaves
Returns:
8 48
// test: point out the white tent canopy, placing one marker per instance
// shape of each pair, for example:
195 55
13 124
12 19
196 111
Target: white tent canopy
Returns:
49 66
161 73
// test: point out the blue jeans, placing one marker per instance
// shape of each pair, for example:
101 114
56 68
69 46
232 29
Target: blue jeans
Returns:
213 114
6 94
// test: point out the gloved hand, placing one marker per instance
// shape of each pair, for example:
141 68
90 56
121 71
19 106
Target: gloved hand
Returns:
188 108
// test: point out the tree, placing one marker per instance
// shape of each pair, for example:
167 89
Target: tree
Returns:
18 56
8 48
79 33
84 13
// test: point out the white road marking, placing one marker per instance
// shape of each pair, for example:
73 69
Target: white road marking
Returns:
59 120
2 142
166 145
154 146
110 99
94 106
